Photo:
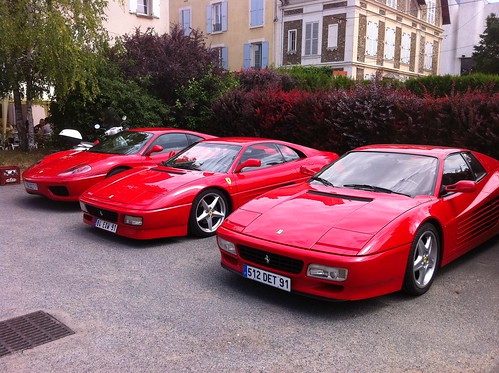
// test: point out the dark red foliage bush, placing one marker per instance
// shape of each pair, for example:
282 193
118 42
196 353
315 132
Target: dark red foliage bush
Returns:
367 114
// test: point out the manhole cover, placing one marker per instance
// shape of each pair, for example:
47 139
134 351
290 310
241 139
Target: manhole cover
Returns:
28 331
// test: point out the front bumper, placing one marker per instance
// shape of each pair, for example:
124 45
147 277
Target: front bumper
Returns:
368 276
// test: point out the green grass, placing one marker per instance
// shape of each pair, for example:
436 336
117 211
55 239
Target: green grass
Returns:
21 159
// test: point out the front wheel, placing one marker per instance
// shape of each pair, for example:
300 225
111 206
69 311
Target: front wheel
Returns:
423 261
209 210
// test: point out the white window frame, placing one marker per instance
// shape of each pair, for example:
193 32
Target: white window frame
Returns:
311 39
392 3
292 41
390 43
147 7
256 55
186 23
428 56
372 39
332 36
430 11
405 46
216 15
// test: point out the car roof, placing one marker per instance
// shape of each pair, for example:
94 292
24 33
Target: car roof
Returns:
241 140
431 150
166 129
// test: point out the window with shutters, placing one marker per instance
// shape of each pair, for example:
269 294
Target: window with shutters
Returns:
389 43
311 38
405 46
256 12
372 39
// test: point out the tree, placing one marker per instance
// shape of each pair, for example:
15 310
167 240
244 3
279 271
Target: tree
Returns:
122 96
486 53
49 47
164 63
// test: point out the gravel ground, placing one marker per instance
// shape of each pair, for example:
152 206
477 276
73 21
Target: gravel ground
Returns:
168 306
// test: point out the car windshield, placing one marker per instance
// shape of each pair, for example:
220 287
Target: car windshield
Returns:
205 156
125 142
383 172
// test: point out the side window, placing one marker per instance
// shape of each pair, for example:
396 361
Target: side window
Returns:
193 138
171 141
288 153
456 169
268 154
475 165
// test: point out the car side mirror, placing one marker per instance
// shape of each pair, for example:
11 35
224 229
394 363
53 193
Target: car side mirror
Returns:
249 163
462 186
307 171
154 149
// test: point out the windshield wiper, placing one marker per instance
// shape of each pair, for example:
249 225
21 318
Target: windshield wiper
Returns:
373 188
323 181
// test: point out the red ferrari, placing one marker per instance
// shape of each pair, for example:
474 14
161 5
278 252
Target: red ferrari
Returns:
65 175
197 188
380 219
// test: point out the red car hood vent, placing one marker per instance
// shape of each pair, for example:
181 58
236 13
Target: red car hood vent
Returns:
304 219
342 196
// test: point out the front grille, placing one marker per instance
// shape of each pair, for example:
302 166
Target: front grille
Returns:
59 191
269 260
103 214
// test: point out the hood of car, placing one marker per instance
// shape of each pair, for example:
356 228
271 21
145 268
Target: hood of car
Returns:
341 220
143 187
54 164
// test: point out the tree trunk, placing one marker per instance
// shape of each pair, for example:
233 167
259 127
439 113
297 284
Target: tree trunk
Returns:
20 123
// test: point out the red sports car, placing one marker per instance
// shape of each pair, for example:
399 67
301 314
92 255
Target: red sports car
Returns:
380 219
65 175
197 188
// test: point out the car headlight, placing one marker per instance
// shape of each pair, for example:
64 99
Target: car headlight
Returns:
76 170
133 220
327 273
83 207
226 245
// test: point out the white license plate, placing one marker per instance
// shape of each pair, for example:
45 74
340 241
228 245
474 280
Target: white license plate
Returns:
107 226
32 186
269 278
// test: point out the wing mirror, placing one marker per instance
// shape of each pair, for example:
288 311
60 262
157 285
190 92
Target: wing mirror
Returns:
462 186
249 163
154 149
307 171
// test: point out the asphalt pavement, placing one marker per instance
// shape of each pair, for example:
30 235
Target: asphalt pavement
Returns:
168 306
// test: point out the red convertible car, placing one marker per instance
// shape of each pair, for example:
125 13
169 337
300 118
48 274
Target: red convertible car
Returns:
65 175
197 188
380 219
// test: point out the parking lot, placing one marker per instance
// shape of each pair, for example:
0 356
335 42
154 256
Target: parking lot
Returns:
167 305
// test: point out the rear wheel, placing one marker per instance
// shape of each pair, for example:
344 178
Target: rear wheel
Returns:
209 210
423 261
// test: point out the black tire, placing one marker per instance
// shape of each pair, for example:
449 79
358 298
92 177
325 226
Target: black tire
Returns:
116 171
423 262
208 211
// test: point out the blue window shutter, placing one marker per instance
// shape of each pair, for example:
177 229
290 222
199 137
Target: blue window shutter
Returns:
256 13
247 56
225 62
208 19
265 54
224 16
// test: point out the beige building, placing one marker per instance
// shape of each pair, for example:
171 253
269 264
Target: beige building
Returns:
124 19
243 31
398 38
358 38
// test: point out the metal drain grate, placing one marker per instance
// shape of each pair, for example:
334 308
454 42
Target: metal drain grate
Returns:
28 331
